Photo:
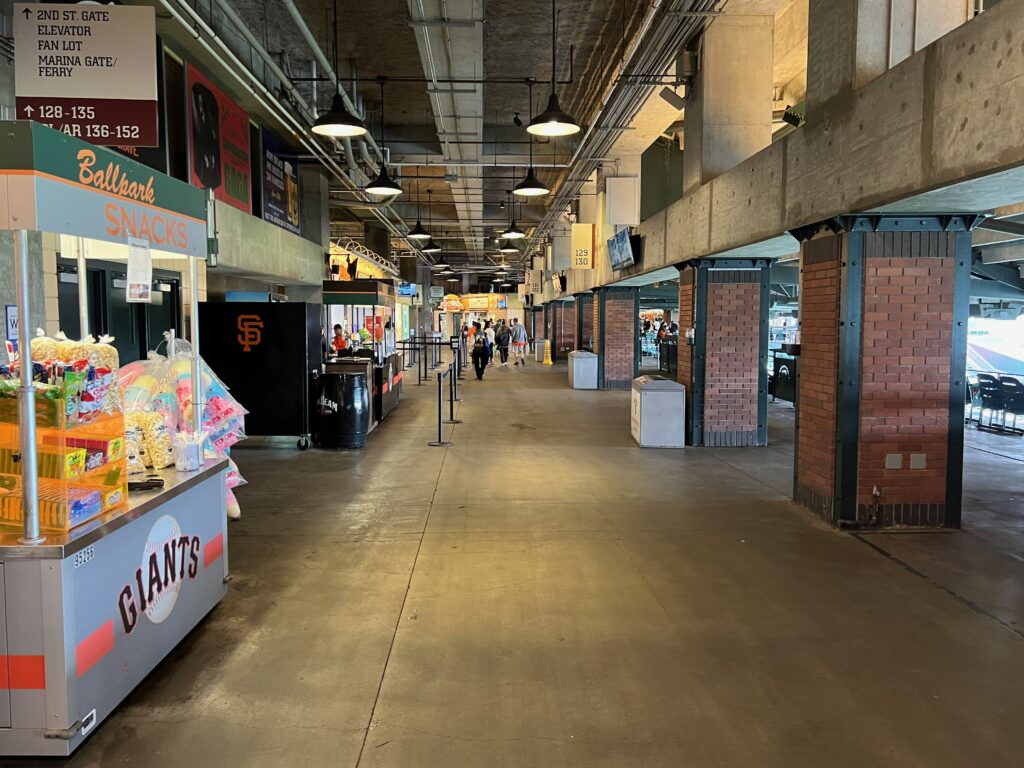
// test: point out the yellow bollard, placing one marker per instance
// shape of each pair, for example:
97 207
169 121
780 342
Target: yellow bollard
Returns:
547 352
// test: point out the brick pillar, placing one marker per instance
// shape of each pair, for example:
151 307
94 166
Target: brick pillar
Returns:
564 340
883 331
725 371
616 339
585 321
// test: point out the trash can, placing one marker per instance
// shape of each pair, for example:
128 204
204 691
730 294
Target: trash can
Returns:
538 348
344 409
658 412
582 370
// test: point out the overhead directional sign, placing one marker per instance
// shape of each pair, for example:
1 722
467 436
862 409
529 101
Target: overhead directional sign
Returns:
88 70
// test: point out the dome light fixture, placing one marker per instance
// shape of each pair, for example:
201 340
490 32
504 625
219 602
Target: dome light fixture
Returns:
383 185
513 232
553 121
507 247
338 122
531 186
431 247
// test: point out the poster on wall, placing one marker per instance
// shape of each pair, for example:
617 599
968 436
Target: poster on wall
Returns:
218 142
280 184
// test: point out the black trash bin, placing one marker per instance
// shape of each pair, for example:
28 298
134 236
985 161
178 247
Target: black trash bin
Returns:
344 409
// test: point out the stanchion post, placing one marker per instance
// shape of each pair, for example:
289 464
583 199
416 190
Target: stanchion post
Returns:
440 442
452 395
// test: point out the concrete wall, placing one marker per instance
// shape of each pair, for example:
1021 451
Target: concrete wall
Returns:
255 248
940 131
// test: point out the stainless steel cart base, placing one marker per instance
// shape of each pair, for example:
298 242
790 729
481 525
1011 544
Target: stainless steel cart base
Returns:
86 616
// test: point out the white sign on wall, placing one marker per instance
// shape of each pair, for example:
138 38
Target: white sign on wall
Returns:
88 70
582 246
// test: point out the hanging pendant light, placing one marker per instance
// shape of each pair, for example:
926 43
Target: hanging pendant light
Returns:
338 122
513 232
531 186
418 232
431 246
553 121
507 247
383 185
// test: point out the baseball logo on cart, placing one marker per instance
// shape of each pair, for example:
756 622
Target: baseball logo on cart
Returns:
168 559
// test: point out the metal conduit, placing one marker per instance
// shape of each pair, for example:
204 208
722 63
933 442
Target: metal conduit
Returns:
671 31
263 95
314 46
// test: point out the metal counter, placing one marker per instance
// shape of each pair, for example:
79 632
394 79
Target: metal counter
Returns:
85 616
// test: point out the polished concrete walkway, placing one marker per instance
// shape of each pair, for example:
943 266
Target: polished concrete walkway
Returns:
544 594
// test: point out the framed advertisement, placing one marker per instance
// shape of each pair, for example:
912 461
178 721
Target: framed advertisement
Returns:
218 142
280 184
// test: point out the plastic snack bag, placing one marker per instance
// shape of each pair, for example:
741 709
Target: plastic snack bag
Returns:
43 347
157 437
134 447
234 511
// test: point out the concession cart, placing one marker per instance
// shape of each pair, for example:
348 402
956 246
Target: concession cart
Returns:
97 583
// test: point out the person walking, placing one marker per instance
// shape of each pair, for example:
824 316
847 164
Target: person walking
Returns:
519 338
504 338
490 335
479 355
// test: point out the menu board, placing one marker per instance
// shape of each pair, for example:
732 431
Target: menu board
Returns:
218 142
280 184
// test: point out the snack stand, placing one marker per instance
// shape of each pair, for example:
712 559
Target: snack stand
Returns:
365 309
90 605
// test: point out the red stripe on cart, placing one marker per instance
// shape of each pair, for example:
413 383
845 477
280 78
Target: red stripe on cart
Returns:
398 376
22 673
213 550
93 648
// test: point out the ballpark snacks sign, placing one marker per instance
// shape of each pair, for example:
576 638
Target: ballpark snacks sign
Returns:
55 183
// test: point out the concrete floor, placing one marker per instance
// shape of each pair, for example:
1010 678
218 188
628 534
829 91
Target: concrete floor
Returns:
544 593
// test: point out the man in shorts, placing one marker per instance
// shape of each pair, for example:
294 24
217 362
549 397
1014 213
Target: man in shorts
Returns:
519 339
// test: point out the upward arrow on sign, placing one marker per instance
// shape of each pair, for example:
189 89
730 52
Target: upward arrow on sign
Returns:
29 110
28 13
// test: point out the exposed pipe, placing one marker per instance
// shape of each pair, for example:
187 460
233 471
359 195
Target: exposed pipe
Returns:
624 98
314 46
263 95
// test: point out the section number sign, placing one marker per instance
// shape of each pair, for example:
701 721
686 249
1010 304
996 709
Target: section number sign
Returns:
88 70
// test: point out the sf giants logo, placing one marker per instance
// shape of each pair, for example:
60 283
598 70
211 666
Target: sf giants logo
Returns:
250 331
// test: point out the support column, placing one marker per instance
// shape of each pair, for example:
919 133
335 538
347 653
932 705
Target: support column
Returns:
617 311
723 306
585 321
729 107
852 42
880 405
565 330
